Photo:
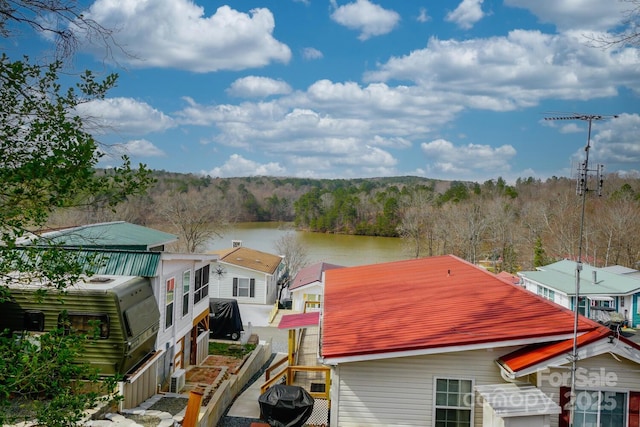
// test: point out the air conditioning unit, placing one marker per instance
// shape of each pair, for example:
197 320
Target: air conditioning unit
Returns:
177 381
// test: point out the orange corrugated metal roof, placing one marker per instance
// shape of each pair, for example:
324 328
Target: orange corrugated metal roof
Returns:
430 303
511 278
532 355
250 258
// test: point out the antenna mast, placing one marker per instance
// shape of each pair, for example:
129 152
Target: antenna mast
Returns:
582 188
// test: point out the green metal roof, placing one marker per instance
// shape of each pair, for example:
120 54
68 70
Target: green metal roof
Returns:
123 263
561 276
116 235
109 262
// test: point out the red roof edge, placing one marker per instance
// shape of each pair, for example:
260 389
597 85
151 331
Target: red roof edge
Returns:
534 354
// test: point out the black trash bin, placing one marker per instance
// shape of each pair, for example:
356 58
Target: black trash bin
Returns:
285 406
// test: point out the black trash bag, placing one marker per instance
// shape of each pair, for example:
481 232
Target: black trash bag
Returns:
285 406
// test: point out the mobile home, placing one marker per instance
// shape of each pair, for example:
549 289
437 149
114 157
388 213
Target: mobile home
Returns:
120 313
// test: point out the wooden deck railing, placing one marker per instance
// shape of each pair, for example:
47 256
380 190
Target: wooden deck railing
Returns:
310 304
274 312
289 372
270 369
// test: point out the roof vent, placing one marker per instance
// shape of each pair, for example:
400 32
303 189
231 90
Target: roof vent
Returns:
236 243
595 277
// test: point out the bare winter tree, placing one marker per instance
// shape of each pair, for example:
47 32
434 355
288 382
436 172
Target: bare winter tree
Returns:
195 217
466 229
629 36
502 231
619 227
417 225
294 254
58 20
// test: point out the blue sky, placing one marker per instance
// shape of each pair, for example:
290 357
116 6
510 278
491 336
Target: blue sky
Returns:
364 88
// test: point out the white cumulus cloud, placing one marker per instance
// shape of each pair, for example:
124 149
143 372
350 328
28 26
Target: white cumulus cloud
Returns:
258 87
448 160
423 16
615 142
138 148
368 18
236 165
466 14
123 115
515 71
177 34
576 14
311 53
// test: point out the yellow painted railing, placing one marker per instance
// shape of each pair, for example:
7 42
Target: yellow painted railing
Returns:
289 372
274 312
308 304
276 365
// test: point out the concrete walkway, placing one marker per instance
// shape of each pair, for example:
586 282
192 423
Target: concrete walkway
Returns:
246 404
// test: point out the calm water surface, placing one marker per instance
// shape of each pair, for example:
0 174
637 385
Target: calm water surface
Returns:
332 248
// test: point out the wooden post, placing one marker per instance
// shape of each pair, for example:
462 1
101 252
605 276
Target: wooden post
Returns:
193 408
292 346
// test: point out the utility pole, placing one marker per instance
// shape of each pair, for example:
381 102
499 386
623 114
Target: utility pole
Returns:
582 187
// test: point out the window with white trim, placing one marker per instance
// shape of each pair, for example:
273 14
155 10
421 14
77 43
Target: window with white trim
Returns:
244 287
186 279
201 285
546 293
453 403
168 319
600 408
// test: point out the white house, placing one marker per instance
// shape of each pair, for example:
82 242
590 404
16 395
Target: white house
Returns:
441 342
182 288
600 288
247 275
308 285
180 284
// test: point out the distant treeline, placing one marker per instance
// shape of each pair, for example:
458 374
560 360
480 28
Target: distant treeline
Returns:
525 223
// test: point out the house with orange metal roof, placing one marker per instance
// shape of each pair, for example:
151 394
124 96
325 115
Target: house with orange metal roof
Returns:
308 285
247 275
441 342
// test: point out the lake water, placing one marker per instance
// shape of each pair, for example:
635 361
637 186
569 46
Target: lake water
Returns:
338 249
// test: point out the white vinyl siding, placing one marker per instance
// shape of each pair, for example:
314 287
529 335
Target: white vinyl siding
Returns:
222 285
298 295
400 391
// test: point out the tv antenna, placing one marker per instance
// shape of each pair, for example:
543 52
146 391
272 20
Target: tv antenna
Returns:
581 190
